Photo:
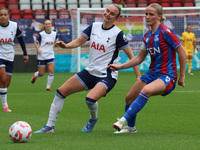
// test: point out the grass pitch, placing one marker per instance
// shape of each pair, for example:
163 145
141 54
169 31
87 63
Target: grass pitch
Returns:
165 123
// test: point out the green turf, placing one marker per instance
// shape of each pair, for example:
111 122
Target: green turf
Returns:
165 123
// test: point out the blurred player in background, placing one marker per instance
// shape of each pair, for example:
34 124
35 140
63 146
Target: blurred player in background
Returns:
8 31
162 44
106 40
45 53
188 40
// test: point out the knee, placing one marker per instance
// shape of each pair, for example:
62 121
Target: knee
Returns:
130 98
146 91
3 83
41 74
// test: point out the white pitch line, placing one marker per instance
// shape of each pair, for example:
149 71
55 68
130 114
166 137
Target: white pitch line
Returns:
187 91
29 93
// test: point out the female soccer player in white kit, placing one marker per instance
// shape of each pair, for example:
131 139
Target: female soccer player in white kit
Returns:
44 44
8 31
105 42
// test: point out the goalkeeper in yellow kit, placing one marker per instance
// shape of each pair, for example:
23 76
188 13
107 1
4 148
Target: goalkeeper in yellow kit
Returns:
188 40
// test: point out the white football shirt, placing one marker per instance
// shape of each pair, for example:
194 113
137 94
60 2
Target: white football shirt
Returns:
104 48
7 36
46 42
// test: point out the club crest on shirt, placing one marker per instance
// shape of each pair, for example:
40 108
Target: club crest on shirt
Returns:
124 37
156 38
108 39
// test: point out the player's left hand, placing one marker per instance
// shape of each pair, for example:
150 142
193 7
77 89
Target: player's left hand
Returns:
26 58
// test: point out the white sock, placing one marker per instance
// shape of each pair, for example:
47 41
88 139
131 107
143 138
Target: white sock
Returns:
93 108
123 120
3 95
36 74
50 80
131 128
56 108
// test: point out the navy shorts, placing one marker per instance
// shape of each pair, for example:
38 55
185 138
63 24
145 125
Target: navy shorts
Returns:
170 83
89 81
8 65
43 63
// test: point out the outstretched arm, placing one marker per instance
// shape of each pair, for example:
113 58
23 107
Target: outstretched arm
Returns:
182 60
73 44
131 63
130 55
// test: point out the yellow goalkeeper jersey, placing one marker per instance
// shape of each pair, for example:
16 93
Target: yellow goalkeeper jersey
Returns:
188 40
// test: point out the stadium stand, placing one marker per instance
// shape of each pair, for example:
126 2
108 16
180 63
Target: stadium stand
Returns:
165 4
60 4
63 13
28 13
51 4
39 13
39 7
25 4
2 5
116 1
72 4
84 4
177 4
15 14
131 5
12 4
53 14
2 1
37 4
95 3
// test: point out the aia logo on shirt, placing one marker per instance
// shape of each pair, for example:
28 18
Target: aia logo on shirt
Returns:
98 47
5 40
49 43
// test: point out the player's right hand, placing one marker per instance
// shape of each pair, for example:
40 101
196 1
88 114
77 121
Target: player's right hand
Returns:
113 67
61 44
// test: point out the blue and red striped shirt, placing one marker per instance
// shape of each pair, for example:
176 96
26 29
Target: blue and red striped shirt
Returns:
161 45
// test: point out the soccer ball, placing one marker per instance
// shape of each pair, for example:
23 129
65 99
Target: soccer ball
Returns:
20 132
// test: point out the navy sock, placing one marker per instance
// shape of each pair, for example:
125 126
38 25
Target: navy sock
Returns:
136 106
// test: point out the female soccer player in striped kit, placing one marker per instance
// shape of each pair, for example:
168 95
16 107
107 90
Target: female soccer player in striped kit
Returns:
162 44
105 42
8 31
45 55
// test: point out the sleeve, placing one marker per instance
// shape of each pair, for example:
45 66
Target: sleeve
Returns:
182 37
121 41
171 38
38 38
21 40
86 33
143 47
22 44
19 32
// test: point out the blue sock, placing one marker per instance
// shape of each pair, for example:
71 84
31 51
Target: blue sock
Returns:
131 122
136 106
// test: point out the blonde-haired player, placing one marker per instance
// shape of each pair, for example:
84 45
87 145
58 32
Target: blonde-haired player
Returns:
188 40
45 54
